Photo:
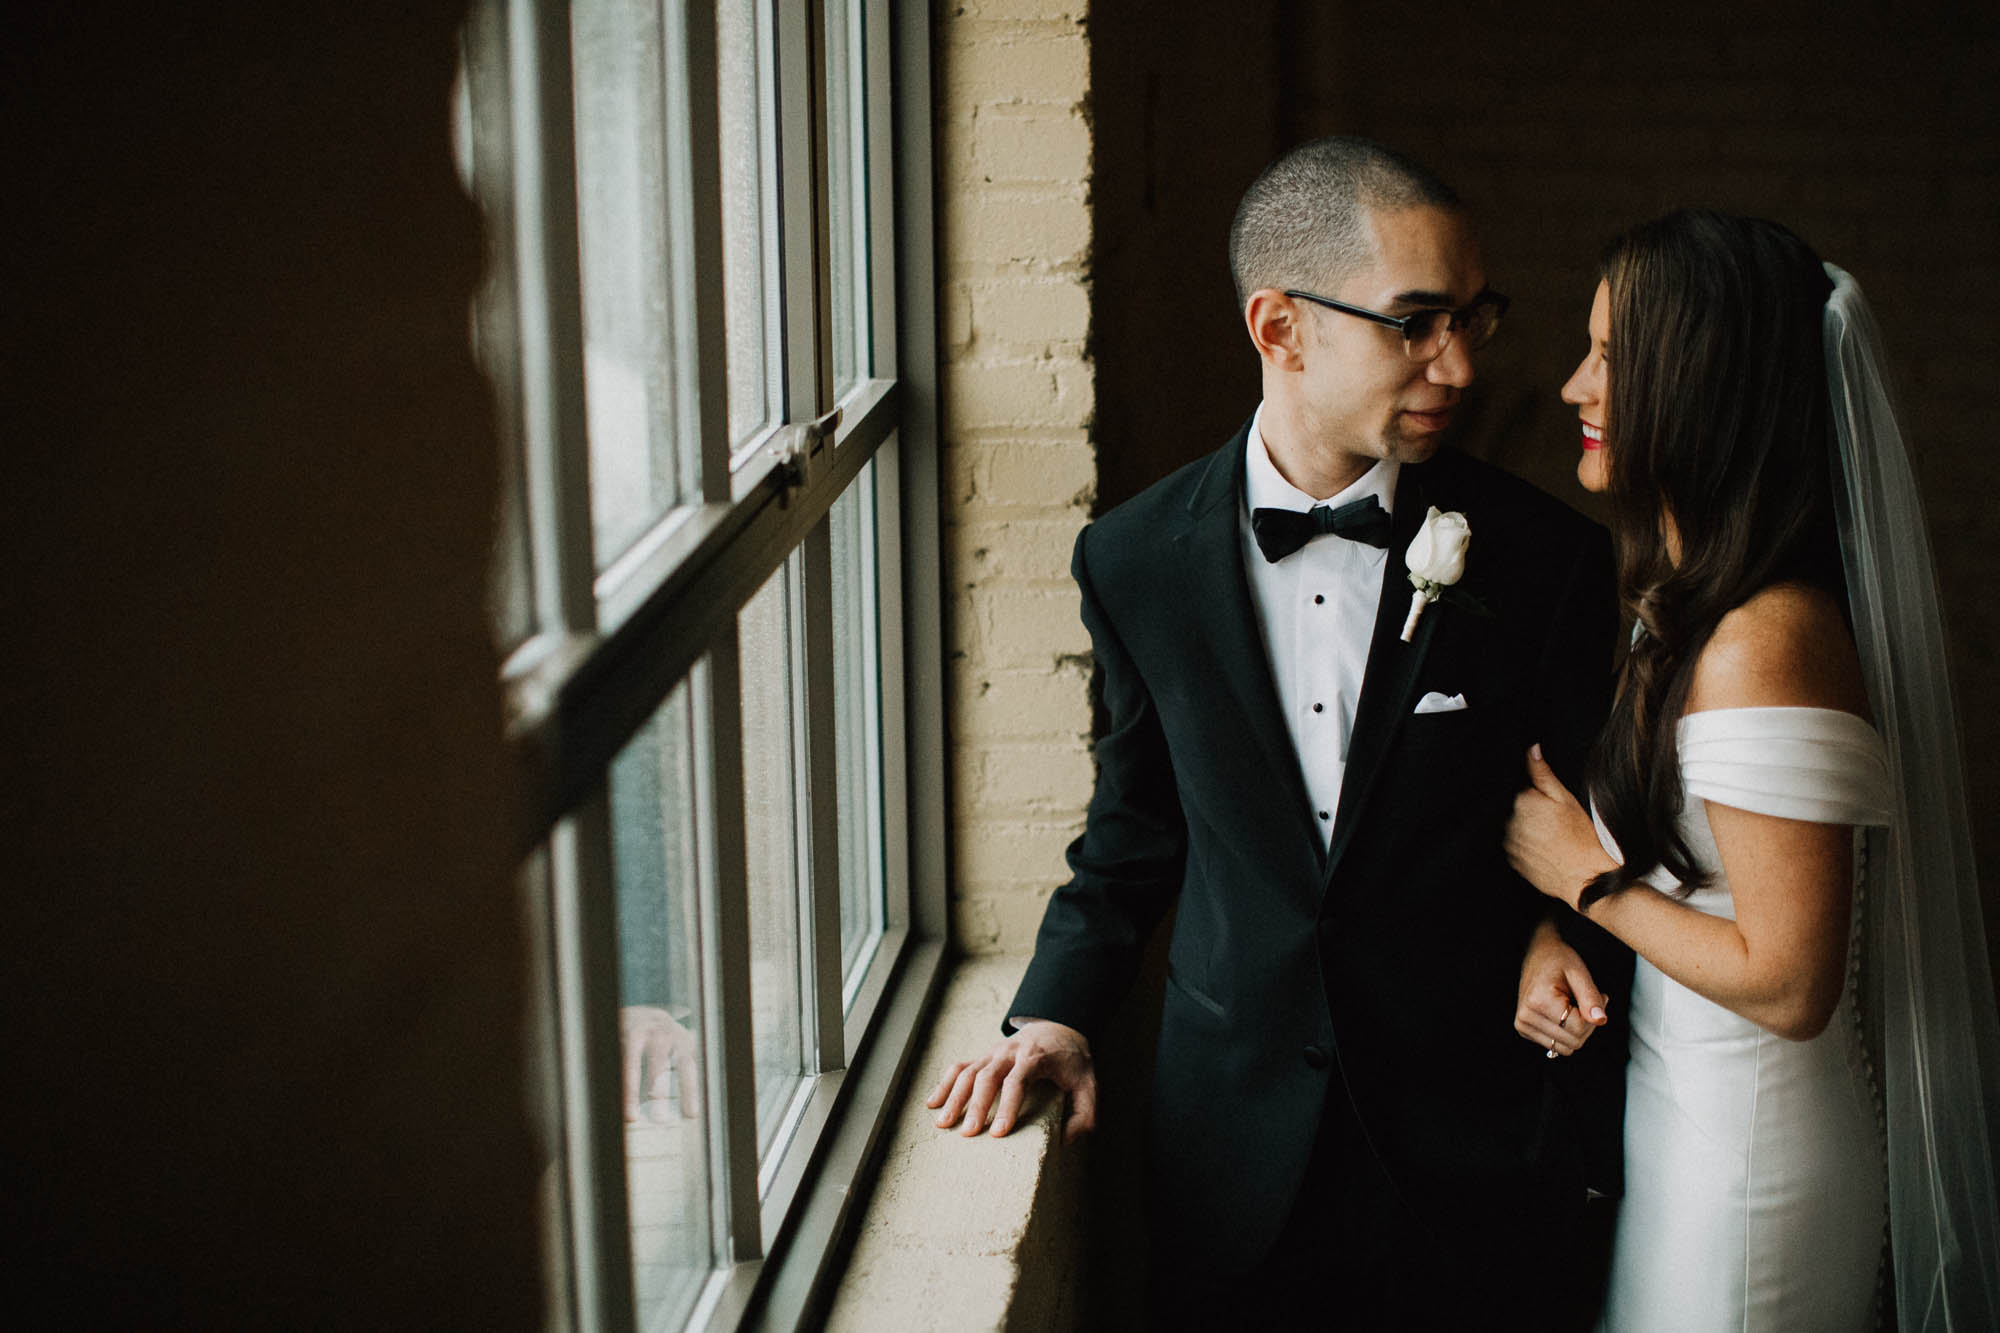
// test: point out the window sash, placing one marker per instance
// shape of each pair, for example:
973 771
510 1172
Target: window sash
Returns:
607 646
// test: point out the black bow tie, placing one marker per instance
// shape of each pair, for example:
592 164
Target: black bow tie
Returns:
1279 532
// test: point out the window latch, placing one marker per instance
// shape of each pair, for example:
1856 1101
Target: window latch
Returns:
802 451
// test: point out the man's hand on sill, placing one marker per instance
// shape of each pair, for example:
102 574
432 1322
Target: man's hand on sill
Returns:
1039 1051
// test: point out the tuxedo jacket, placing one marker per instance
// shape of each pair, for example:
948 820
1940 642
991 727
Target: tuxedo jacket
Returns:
1385 968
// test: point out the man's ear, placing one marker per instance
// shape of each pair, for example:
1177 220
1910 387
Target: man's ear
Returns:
1275 329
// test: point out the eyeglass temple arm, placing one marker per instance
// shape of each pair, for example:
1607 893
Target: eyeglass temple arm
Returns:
1389 321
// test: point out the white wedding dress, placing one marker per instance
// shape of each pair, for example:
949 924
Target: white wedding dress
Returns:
1754 1166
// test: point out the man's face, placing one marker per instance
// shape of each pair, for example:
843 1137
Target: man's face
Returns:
1364 397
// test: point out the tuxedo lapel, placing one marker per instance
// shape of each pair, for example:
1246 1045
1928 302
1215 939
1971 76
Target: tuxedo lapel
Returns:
1388 683
1219 613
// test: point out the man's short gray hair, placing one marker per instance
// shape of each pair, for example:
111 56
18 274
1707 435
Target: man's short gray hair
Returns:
1304 222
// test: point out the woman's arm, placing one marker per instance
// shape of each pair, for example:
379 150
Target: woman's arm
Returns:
1781 963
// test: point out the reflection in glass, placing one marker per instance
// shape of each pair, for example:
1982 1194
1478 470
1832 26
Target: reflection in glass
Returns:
622 213
770 813
847 162
660 1029
483 147
744 159
856 724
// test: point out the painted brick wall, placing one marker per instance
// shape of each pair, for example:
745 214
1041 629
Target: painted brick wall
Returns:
985 1234
1013 144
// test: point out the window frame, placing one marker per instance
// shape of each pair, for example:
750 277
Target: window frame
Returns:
611 646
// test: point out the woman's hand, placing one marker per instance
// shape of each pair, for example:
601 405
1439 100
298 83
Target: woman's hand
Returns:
1550 841
1559 1005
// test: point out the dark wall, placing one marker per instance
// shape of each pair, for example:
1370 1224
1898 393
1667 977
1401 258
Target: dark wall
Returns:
1184 118
262 966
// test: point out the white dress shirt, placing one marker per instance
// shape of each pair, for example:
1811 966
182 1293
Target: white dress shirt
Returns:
1316 609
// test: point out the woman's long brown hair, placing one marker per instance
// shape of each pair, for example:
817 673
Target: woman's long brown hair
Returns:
1717 431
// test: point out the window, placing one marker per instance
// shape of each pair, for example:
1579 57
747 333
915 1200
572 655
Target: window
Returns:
716 585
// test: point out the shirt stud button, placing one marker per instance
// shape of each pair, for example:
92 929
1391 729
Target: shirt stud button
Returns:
1318 598
1319 708
1324 815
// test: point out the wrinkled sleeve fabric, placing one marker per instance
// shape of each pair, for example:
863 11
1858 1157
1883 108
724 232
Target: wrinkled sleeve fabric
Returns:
1814 764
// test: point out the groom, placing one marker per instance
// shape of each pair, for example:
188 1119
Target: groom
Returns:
1345 1129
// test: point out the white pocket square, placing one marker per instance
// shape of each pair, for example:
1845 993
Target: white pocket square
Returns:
1440 703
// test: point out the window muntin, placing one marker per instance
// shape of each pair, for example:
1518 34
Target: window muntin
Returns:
544 1059
847 195
749 245
857 724
768 646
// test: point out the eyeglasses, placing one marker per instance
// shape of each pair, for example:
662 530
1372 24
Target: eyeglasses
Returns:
1428 332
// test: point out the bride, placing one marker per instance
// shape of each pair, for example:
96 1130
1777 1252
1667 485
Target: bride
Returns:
1777 823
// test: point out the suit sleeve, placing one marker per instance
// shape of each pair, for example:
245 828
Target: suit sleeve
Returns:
1127 865
1574 685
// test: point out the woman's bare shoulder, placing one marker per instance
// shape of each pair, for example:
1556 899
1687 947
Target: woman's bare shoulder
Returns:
1788 646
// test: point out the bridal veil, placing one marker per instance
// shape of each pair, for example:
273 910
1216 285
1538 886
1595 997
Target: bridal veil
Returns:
1926 984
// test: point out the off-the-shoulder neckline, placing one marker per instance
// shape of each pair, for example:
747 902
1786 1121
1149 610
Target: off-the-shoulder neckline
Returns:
1770 709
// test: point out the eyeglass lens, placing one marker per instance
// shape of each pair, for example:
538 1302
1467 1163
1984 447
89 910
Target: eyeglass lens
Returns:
1427 336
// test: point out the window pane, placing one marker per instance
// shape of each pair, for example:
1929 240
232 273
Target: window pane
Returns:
857 723
771 820
622 212
847 162
746 156
660 1028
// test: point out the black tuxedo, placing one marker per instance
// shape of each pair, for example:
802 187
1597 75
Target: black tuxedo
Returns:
1383 970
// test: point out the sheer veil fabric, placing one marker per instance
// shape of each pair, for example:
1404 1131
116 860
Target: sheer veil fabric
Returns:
1926 983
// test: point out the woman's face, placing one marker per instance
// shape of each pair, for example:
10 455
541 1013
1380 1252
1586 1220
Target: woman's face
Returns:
1590 389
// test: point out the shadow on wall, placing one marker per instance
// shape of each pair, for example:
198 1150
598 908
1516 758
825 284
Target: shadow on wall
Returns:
1874 135
263 973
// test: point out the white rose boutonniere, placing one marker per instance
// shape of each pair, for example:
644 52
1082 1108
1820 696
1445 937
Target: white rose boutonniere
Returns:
1436 560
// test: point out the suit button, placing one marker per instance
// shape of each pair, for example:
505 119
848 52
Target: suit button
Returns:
1315 1057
